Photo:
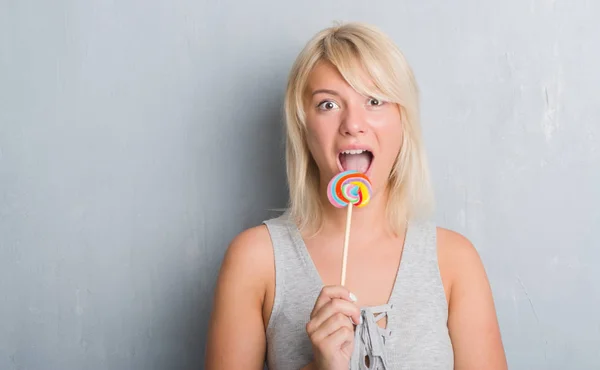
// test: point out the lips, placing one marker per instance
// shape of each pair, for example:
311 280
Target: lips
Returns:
355 159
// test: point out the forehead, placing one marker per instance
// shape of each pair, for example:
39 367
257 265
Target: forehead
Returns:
325 75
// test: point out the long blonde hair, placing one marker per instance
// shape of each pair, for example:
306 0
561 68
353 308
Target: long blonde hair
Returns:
351 48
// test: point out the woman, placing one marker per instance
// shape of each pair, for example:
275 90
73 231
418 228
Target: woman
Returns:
416 295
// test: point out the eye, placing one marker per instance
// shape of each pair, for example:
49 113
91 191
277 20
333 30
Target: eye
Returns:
375 102
327 105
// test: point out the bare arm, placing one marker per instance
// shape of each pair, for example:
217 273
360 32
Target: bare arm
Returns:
472 321
236 336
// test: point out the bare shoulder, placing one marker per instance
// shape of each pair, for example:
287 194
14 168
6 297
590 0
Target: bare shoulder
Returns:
455 251
252 243
456 255
452 242
472 320
250 255
236 335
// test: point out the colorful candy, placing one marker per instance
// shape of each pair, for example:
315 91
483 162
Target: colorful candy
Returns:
349 187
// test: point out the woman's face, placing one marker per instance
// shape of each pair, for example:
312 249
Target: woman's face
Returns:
350 131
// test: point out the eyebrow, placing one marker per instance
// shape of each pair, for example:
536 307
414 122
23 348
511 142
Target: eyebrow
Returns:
325 91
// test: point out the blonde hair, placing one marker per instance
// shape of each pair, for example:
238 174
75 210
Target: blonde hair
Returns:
351 48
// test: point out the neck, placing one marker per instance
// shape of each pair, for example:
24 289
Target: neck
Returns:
371 219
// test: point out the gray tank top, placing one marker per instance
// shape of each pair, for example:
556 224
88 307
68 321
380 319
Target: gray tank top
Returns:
416 336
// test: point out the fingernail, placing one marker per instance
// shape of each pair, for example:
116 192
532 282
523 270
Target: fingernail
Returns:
353 297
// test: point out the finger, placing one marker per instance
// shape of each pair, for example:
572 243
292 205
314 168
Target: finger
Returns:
335 308
331 292
329 326
338 305
338 339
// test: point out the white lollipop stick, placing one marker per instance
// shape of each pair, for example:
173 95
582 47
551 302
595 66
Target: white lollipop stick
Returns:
340 195
346 239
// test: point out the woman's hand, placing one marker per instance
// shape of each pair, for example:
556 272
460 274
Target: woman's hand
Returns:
331 329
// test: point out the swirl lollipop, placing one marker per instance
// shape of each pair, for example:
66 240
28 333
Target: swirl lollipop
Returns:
348 189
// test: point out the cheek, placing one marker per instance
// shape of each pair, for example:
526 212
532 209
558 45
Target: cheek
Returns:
320 134
396 135
316 141
390 134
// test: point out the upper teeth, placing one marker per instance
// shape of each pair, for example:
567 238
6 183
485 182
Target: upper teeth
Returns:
354 151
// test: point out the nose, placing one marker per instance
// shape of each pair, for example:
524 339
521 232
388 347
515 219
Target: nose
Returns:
353 121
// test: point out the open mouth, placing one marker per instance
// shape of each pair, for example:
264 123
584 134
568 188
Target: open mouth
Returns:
356 159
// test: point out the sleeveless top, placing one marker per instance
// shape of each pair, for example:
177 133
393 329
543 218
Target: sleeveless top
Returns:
416 336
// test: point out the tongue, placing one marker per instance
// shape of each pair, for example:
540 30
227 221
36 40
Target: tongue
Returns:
356 162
